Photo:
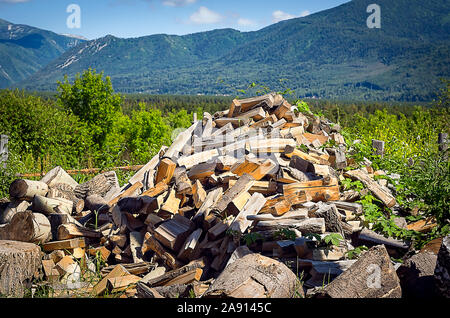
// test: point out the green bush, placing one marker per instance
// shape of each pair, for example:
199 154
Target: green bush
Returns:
92 99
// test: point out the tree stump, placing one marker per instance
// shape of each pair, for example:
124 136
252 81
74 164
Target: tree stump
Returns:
442 270
19 263
255 276
371 276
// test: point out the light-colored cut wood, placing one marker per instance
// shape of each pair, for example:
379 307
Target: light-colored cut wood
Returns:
27 189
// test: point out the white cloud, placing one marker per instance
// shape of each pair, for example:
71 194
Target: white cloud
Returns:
304 13
245 22
178 3
205 16
279 15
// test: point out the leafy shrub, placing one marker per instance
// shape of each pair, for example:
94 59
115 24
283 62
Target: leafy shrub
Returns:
92 99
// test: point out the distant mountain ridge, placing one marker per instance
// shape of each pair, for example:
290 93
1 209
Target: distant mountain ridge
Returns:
25 50
330 54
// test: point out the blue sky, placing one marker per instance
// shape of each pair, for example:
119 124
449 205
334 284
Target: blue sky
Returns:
134 18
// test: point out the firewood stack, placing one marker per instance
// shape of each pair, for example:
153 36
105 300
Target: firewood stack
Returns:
260 177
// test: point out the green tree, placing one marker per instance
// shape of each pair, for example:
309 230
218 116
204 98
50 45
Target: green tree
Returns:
91 98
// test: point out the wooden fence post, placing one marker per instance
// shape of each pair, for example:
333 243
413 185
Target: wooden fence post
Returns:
379 147
443 144
3 150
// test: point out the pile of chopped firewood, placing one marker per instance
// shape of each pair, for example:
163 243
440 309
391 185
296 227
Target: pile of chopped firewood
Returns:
255 185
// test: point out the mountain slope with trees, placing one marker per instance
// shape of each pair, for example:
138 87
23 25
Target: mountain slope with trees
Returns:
24 50
330 54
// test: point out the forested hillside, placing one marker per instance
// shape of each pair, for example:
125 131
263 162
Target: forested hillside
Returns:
331 54
24 50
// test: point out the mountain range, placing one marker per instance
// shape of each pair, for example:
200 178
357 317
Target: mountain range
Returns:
24 50
331 54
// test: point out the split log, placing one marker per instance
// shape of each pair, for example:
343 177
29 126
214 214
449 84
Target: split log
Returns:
26 189
312 225
171 205
202 171
154 273
326 189
27 227
255 114
266 168
157 190
255 276
271 145
253 206
165 171
173 233
247 165
136 239
59 176
69 231
243 184
190 245
264 123
302 164
373 186
263 187
195 159
291 151
19 263
300 214
238 203
173 291
220 122
151 165
371 276
176 276
370 238
312 137
243 105
181 140
212 198
182 182
133 268
152 244
118 271
64 245
134 189
117 284
199 194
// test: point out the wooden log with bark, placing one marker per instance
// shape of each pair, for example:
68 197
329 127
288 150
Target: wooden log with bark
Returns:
100 185
65 191
12 209
371 276
255 276
373 186
59 176
26 189
27 227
